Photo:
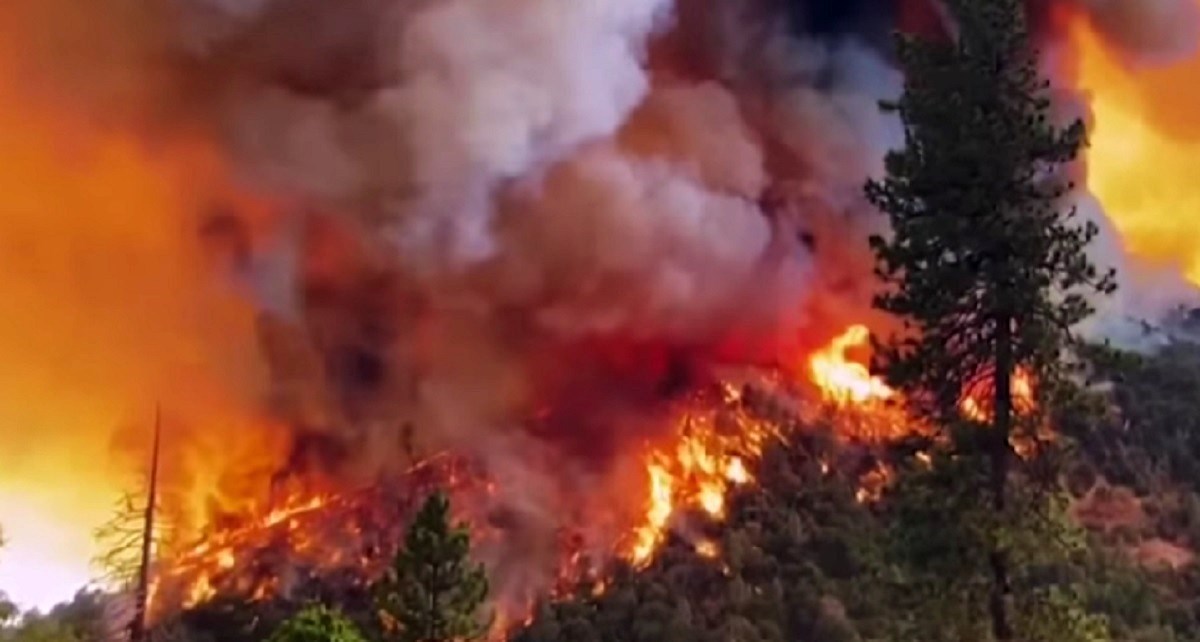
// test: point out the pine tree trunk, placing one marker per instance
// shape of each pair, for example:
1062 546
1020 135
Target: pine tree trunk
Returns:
137 628
1000 453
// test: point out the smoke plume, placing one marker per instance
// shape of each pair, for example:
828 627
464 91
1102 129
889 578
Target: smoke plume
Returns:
516 229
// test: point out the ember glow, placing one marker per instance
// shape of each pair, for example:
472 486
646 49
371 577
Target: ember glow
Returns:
977 404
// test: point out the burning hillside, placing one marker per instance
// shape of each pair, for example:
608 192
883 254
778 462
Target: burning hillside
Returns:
714 443
334 240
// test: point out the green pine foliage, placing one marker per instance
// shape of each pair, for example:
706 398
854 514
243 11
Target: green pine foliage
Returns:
434 592
983 262
988 274
317 624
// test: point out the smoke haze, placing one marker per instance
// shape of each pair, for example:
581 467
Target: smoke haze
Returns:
518 227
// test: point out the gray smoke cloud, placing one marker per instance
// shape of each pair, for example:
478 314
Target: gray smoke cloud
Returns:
474 189
526 163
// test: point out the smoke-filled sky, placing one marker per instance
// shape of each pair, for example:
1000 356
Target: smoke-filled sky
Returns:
519 226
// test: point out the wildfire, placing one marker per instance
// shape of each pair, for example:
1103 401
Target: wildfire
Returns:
198 571
303 534
713 450
868 408
698 471
1143 146
697 474
977 405
873 483
846 382
106 310
849 386
109 306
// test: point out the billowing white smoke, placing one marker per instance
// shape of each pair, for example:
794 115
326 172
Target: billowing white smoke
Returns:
482 103
508 177
519 160
493 91
513 176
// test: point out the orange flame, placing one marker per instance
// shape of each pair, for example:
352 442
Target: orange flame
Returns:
845 382
98 231
976 406
1143 146
106 310
696 474
196 569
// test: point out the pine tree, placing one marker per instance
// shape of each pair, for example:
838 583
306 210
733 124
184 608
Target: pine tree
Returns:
317 624
984 266
434 592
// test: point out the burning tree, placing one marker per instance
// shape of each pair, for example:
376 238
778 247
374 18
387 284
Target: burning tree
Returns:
989 274
433 592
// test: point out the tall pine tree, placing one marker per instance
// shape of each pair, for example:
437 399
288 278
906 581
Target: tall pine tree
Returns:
434 592
984 265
